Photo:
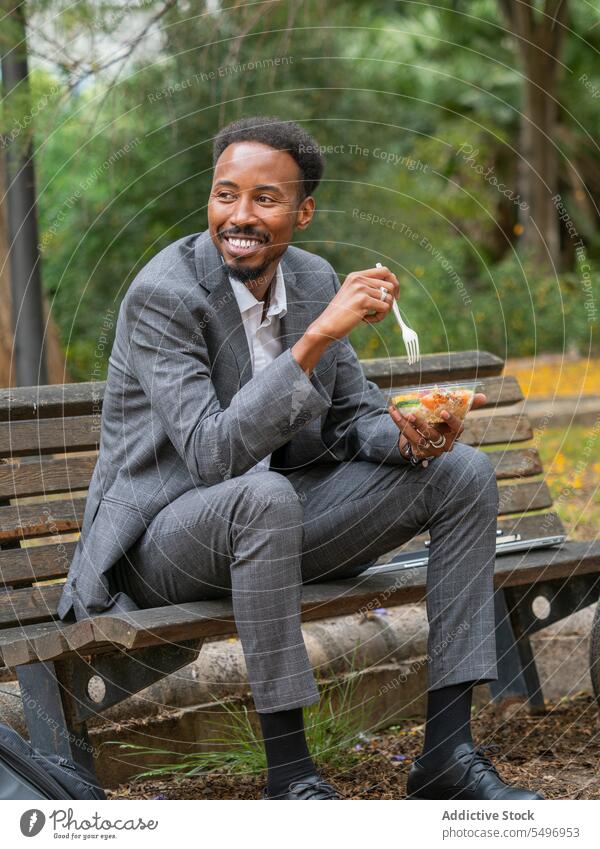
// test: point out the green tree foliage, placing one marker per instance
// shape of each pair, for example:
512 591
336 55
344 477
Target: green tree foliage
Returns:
419 107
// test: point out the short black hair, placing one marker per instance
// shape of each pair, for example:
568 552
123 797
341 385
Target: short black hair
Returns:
280 135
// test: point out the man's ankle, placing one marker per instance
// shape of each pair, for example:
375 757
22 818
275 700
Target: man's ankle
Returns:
288 758
434 759
448 723
279 781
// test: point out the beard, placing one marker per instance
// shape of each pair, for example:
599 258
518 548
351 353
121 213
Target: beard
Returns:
247 275
240 272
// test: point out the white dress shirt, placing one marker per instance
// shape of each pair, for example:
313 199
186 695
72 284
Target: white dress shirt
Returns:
263 339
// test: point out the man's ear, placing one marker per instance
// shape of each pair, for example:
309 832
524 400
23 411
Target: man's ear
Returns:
305 212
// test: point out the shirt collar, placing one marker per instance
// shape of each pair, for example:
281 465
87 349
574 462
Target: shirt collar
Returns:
247 301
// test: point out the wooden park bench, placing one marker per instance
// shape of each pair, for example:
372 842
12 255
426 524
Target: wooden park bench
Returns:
49 437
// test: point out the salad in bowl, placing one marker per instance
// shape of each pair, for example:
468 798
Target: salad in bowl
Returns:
427 402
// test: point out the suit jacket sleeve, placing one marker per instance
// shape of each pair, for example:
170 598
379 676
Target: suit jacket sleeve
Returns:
170 359
358 425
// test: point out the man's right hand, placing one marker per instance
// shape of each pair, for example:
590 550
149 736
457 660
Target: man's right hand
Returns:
359 294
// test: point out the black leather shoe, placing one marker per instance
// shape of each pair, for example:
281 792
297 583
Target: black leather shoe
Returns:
467 774
311 787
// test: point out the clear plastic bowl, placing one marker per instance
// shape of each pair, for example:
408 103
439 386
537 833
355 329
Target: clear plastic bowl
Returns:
428 401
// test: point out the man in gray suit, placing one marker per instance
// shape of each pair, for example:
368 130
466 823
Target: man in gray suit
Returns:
243 452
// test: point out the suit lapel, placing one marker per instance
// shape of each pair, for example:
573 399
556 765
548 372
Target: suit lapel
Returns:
212 276
297 318
226 308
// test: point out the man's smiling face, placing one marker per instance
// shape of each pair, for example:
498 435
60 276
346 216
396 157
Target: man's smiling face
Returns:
254 208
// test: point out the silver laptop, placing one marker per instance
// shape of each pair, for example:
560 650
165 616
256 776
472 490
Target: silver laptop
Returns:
505 544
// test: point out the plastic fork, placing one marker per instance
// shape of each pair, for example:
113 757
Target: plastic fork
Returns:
409 337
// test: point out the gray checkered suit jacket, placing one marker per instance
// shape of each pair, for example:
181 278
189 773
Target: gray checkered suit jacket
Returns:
182 410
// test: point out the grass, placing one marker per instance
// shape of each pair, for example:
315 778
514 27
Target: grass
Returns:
556 376
333 727
571 459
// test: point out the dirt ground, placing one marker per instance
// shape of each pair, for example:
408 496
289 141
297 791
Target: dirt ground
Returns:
557 754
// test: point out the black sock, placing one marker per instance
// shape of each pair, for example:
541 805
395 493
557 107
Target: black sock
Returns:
288 758
448 722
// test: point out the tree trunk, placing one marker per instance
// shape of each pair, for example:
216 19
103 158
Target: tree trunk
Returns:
7 366
55 359
539 37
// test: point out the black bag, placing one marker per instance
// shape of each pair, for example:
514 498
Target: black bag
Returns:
26 773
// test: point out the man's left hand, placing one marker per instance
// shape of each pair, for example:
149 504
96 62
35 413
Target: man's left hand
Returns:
420 435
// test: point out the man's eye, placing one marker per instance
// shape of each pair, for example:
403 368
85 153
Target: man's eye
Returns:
225 195
265 199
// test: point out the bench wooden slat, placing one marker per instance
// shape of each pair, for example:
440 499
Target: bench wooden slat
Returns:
520 462
493 429
533 525
80 433
51 401
44 476
23 566
81 399
455 365
49 436
34 604
20 567
215 618
31 643
522 497
25 521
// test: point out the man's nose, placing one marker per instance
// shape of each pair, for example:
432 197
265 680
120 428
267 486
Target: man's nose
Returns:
243 212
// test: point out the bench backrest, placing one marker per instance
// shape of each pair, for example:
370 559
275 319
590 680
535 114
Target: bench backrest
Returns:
49 438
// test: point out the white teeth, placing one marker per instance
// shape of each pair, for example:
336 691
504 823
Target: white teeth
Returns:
243 243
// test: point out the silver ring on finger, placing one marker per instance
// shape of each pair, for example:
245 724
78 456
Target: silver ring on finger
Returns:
440 442
424 443
383 293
